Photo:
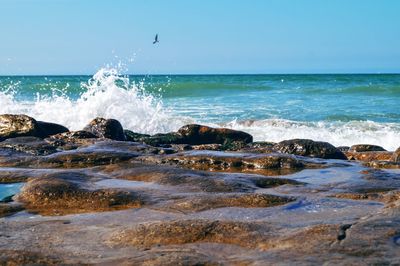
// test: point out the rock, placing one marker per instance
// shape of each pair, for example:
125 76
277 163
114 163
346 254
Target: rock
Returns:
223 161
47 129
161 139
198 134
310 148
383 164
55 195
146 235
369 156
214 201
12 126
30 145
365 147
106 128
72 140
343 148
135 137
396 156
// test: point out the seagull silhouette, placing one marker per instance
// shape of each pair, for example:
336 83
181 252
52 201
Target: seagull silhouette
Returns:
155 39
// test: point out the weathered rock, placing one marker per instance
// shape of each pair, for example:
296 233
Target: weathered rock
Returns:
383 164
12 126
365 148
56 196
369 156
198 134
195 204
29 145
209 160
72 140
106 128
310 148
192 231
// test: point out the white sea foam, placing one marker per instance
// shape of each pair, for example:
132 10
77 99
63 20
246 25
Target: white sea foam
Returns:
386 135
107 95
111 95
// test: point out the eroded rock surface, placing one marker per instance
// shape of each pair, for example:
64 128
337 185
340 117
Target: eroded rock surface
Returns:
307 147
106 128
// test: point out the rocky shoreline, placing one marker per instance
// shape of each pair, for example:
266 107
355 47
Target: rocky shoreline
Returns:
198 196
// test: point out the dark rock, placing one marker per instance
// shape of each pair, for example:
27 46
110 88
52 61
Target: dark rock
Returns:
198 134
72 140
47 129
106 128
365 148
134 137
29 145
12 126
310 148
161 139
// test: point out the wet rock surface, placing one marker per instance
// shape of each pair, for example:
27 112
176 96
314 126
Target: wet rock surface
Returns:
307 147
106 128
365 147
217 200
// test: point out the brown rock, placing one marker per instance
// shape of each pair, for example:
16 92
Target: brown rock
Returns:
369 156
57 196
12 126
310 148
106 128
365 148
198 134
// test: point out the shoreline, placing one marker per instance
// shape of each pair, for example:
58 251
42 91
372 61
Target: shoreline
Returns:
201 195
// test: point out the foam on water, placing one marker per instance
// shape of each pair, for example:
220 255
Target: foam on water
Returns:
107 95
337 133
111 95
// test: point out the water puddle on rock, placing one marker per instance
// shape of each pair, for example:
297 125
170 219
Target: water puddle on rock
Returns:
7 190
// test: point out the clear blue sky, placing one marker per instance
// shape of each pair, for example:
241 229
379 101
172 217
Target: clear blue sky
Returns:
204 36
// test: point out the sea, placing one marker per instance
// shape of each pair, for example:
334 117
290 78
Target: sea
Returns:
343 109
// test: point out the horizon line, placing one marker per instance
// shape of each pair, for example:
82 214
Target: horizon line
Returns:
209 74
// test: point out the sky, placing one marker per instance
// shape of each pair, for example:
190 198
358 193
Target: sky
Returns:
199 36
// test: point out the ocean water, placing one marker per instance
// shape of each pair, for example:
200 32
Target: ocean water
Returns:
340 109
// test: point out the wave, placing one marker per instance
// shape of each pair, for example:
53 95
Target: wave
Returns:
107 94
337 133
111 95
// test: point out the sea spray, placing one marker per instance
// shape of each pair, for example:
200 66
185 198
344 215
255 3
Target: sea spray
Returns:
107 94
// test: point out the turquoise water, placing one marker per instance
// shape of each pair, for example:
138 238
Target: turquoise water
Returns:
342 109
9 189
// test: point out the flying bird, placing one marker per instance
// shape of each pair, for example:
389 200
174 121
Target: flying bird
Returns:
155 39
